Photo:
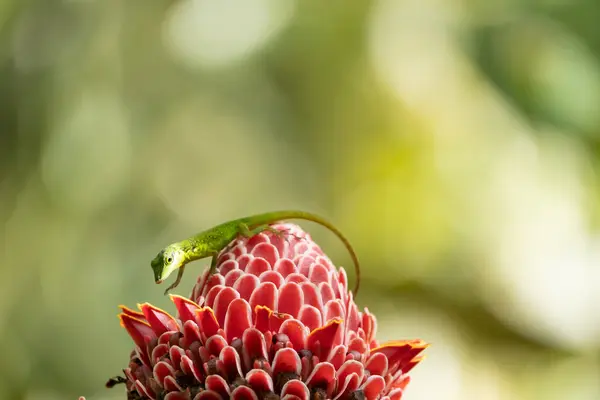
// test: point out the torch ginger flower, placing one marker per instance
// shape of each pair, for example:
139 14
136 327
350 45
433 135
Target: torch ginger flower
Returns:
276 320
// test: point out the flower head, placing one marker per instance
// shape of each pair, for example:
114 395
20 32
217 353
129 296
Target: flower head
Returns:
276 320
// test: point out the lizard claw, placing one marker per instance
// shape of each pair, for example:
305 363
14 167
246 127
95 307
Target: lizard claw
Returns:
167 290
284 234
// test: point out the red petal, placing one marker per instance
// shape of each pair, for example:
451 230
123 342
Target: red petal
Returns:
295 387
190 368
326 292
227 266
286 361
213 281
343 280
186 308
311 296
324 260
350 384
222 301
203 354
166 337
159 351
191 333
243 393
217 384
266 251
411 364
338 356
140 331
288 397
132 313
254 347
319 273
300 247
161 371
232 277
377 364
264 295
352 315
296 277
153 386
273 277
315 252
276 319
243 261
373 387
215 344
207 322
143 391
245 285
262 318
129 374
296 332
336 286
279 243
211 295
320 341
238 319
308 361
231 362
402 382
351 367
334 309
395 394
171 385
310 317
257 266
304 263
159 320
198 290
357 344
175 354
238 250
323 376
178 395
259 380
400 353
208 395
256 240
285 267
291 299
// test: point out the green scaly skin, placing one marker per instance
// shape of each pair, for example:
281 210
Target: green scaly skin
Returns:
210 243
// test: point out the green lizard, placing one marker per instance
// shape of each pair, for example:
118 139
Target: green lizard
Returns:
210 243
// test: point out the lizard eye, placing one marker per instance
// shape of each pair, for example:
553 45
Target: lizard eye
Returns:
169 260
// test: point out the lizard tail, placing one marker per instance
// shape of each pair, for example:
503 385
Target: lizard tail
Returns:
323 222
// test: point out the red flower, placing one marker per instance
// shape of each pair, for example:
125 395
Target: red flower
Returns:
275 320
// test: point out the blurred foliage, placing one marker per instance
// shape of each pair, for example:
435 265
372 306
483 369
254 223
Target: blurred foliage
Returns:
457 143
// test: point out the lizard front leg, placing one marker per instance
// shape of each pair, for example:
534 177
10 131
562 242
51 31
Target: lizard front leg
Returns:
213 263
177 280
212 268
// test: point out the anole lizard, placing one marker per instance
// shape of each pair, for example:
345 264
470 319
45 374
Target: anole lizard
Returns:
210 242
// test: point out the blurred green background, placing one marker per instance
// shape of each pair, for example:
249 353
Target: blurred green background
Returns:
456 143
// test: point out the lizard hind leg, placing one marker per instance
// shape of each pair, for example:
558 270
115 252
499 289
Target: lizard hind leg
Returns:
248 233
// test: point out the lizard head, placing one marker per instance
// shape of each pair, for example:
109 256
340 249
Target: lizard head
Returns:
166 261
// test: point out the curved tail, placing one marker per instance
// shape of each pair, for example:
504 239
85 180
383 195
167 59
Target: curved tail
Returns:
293 214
